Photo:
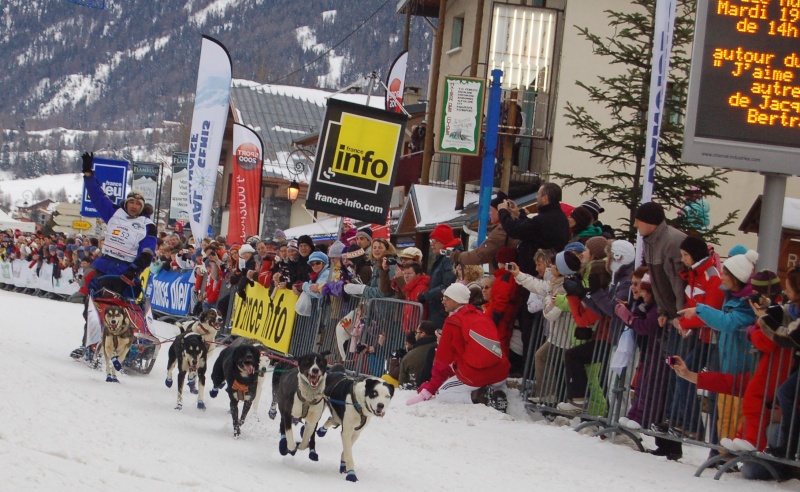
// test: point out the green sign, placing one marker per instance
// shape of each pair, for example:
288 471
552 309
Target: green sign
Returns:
460 129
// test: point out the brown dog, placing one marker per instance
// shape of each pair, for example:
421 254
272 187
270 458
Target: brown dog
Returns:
117 339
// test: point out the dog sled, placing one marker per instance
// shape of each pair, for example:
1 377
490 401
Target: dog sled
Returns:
141 356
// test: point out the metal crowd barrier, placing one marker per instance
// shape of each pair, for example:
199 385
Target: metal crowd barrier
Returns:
642 395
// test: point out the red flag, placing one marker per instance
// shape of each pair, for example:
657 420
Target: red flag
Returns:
245 184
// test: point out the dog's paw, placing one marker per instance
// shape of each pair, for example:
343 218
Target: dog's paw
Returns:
282 446
342 467
192 386
213 393
117 363
168 382
273 412
351 476
179 406
201 405
312 455
322 431
237 431
111 379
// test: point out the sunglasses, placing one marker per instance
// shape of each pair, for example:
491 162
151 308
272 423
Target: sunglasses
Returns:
312 263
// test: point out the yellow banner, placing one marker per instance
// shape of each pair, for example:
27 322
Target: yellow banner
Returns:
269 321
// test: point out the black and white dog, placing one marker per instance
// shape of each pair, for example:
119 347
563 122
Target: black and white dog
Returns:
237 367
300 396
189 352
207 325
353 403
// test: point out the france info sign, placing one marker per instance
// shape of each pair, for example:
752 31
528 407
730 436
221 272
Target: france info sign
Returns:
356 165
113 176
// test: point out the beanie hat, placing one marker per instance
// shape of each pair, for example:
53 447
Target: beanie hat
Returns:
741 266
646 283
365 232
318 256
133 195
650 213
336 249
279 235
766 283
582 217
305 239
444 234
696 248
567 263
411 253
354 251
506 254
597 247
620 253
594 207
576 247
246 249
292 245
500 198
737 250
458 292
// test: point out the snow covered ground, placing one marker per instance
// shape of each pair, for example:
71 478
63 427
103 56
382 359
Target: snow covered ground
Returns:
62 427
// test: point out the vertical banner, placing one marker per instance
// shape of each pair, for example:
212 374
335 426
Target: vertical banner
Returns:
462 112
179 195
145 179
245 184
113 176
396 83
211 106
356 163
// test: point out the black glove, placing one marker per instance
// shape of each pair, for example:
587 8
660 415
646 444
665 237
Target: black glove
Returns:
599 281
421 297
87 159
574 287
773 320
129 277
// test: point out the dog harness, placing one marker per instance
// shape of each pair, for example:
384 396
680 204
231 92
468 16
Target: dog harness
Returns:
355 403
306 404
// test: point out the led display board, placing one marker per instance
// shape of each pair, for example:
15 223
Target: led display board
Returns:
743 110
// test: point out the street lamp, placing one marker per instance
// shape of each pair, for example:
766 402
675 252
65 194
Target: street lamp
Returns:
294 190
27 196
296 167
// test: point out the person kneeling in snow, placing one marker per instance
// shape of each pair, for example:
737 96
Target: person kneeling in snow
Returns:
469 362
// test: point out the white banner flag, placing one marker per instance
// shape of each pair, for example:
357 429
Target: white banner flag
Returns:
396 83
211 105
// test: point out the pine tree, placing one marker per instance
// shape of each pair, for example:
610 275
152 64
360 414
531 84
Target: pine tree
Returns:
620 146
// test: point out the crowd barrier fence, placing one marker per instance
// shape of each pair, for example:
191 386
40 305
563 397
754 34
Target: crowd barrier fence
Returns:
21 275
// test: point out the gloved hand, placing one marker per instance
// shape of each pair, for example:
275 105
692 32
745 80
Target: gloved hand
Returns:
129 277
573 287
355 289
421 297
87 159
423 395
624 314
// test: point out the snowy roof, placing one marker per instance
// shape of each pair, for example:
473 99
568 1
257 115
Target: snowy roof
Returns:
791 215
325 228
432 205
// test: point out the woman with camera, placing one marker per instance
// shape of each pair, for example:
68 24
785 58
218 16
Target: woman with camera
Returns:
384 262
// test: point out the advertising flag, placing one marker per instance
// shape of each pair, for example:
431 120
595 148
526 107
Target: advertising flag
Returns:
396 83
179 195
356 164
145 179
113 176
211 106
246 184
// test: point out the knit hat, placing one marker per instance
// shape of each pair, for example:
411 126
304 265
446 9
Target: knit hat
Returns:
737 250
292 245
336 249
458 292
741 266
594 207
696 248
766 283
646 282
133 195
271 241
411 253
597 247
567 263
365 232
354 251
444 234
650 213
506 254
246 249
318 256
620 253
582 217
500 198
576 247
279 235
305 239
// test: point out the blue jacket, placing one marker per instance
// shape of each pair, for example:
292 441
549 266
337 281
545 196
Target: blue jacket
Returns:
731 322
322 278
107 264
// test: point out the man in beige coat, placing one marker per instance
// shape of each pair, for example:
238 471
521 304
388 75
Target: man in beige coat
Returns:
495 239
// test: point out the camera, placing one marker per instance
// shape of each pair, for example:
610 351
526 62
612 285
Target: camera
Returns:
671 360
361 347
446 252
509 266
757 298
391 261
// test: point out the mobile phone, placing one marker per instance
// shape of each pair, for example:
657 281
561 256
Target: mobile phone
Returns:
671 360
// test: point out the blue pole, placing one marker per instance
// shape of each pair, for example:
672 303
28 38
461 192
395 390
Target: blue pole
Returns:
490 146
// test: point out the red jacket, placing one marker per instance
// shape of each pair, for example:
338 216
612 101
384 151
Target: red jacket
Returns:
504 304
412 290
474 366
265 274
703 285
